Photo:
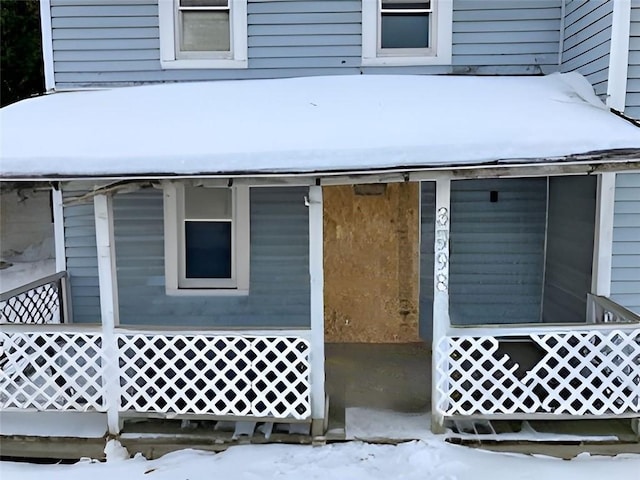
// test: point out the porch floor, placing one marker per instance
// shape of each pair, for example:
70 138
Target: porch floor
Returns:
396 378
393 377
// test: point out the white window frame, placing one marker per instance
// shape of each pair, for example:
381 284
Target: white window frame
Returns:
170 57
439 53
174 254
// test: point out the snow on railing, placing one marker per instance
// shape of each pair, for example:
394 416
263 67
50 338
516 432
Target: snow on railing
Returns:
577 370
42 301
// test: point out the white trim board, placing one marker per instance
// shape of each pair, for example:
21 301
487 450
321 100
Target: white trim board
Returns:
619 56
47 45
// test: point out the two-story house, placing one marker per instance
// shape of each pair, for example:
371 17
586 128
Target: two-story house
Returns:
238 182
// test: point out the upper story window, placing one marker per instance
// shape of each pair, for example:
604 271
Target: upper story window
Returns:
406 32
203 33
206 239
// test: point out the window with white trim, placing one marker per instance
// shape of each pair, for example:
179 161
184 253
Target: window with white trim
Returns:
203 33
406 32
206 238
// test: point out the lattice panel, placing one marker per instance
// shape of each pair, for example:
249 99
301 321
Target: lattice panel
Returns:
220 375
38 305
588 373
578 373
473 379
51 371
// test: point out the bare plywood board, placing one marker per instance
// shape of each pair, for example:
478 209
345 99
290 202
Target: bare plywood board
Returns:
371 264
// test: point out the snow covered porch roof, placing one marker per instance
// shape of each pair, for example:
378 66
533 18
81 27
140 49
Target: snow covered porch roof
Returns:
314 125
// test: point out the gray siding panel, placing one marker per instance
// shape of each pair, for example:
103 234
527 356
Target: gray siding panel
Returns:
82 263
497 251
279 288
99 43
633 74
587 41
427 240
625 271
571 219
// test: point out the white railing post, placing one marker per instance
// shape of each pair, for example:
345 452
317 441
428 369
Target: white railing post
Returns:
316 274
440 295
103 211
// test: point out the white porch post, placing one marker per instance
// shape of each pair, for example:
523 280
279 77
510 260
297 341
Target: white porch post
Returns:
441 320
58 229
603 238
60 251
103 211
316 274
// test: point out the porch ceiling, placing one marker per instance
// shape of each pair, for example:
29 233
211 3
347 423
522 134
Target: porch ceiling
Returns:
311 125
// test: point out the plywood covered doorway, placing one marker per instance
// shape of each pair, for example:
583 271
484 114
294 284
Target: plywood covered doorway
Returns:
371 263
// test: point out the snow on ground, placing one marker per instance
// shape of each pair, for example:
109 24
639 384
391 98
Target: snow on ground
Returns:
32 263
366 424
425 459
430 457
20 273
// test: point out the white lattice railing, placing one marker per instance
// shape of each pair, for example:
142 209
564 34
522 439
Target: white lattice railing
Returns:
230 375
224 375
594 372
42 369
604 310
40 302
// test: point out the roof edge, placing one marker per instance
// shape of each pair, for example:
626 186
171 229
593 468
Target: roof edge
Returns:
585 163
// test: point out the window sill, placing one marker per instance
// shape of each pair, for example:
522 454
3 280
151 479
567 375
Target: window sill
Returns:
206 292
192 64
402 61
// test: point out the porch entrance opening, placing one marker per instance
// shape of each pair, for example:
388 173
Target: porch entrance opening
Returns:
375 358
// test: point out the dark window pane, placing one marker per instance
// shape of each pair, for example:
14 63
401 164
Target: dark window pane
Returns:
399 5
208 249
204 3
405 30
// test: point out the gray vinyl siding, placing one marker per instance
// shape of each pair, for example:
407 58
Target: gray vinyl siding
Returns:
427 240
587 40
82 260
505 37
625 273
497 251
110 43
571 219
279 285
279 282
633 73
